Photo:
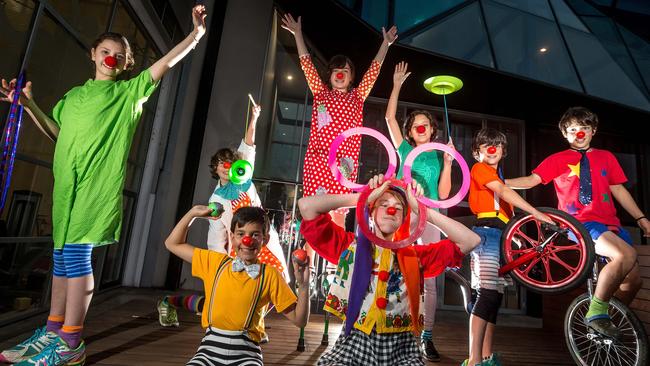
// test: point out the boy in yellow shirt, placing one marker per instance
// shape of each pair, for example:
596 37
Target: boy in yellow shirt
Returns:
238 289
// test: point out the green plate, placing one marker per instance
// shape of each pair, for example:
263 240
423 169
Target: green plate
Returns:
443 84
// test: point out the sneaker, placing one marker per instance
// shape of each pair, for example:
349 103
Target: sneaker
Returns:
58 354
493 360
30 347
466 363
167 315
429 350
604 326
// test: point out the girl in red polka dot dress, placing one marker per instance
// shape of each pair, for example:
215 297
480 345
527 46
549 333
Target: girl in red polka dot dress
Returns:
337 107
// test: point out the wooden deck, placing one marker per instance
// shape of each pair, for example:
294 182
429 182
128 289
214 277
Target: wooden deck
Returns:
125 331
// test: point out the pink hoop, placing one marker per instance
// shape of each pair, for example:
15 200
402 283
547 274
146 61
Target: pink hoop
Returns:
392 155
388 244
410 158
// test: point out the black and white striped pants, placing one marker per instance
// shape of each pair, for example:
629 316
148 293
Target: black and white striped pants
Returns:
226 347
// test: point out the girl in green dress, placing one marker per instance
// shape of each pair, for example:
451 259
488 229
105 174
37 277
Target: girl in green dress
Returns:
93 127
433 171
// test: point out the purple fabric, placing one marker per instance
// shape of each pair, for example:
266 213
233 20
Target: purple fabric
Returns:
72 339
53 326
360 278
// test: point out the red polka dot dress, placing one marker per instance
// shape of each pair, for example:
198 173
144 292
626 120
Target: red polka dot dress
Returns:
333 112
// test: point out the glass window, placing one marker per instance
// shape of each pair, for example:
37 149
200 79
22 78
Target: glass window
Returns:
530 46
635 6
581 7
375 12
640 50
15 19
530 6
409 13
88 17
443 37
601 75
566 16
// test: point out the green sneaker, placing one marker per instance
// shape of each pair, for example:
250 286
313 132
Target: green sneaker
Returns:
58 353
30 347
493 360
167 315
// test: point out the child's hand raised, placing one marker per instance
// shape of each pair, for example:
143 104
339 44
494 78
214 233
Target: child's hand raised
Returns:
255 110
448 158
400 75
198 19
292 25
413 192
8 90
378 186
389 36
200 211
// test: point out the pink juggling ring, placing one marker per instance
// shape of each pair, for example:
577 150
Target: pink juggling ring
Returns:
420 129
580 134
389 244
110 61
492 150
408 163
332 160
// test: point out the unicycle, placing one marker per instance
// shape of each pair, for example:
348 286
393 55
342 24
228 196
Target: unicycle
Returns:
591 348
549 259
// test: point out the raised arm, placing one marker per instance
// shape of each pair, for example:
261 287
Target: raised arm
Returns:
369 78
389 37
524 182
249 138
399 76
160 67
516 200
311 74
623 196
42 120
444 182
176 242
314 206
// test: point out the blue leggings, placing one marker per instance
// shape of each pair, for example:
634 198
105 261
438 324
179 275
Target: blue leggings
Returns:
73 260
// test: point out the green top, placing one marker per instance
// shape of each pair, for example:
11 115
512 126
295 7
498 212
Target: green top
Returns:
425 170
97 122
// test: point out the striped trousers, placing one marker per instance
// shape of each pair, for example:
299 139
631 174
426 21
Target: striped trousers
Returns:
226 347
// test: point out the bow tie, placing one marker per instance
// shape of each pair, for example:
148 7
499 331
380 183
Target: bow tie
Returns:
253 270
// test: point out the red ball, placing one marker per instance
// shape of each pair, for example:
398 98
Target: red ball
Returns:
300 255
492 149
391 210
110 61
340 75
247 241
420 129
580 134
381 303
383 276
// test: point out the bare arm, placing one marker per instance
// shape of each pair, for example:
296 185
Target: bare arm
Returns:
160 67
295 27
444 182
313 206
42 120
524 182
299 314
516 200
399 76
465 238
249 139
623 196
176 241
389 37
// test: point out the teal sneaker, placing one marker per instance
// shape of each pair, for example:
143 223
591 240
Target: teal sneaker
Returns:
167 315
30 347
493 360
58 354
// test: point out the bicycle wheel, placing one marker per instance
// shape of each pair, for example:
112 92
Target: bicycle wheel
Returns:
589 348
563 263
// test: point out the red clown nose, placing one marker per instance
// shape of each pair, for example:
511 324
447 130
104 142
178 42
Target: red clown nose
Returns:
247 241
580 134
110 61
300 255
420 129
339 75
391 210
492 150
227 165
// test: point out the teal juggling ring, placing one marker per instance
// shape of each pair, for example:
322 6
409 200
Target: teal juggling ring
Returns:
240 172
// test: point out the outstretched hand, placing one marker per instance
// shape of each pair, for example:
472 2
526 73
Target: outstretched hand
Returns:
198 19
389 36
400 75
448 158
378 186
413 192
8 88
292 25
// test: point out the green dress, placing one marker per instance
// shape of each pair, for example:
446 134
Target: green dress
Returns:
97 122
425 170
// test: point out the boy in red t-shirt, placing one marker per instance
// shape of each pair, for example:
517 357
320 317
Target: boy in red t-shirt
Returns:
586 180
491 201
